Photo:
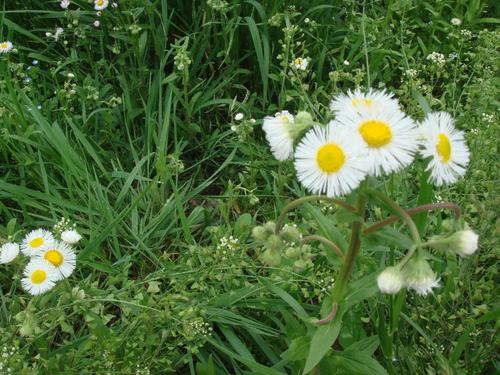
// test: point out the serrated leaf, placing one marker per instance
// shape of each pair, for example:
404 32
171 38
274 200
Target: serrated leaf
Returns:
298 349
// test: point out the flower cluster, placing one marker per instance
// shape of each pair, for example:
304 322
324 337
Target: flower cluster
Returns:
52 257
369 136
288 242
244 126
416 273
436 58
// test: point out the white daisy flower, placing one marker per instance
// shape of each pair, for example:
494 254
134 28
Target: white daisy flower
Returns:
36 241
330 160
363 102
65 4
390 280
6 47
71 237
446 146
391 137
419 276
279 136
39 277
100 4
300 63
8 252
238 116
456 21
62 257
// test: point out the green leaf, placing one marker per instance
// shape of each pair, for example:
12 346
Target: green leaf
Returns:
324 337
207 369
421 100
366 346
258 368
360 290
298 349
299 310
357 363
387 235
242 224
327 228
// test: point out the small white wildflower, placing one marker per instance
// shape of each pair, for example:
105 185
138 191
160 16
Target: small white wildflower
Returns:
238 116
6 47
70 237
59 31
300 63
100 4
456 21
9 252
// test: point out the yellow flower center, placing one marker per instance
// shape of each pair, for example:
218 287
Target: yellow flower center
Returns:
444 148
4 45
100 2
54 257
376 133
330 158
38 276
284 118
36 242
298 61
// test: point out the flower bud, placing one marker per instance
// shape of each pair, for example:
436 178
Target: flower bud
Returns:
274 242
300 264
419 276
291 234
390 280
271 257
292 252
260 233
9 252
71 237
464 242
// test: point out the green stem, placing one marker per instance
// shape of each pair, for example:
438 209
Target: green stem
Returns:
402 213
280 179
365 48
413 211
352 252
290 206
325 241
252 160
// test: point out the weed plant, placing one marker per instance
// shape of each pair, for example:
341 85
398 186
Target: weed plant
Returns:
140 126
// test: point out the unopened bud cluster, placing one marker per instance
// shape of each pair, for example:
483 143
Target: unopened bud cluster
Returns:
285 243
